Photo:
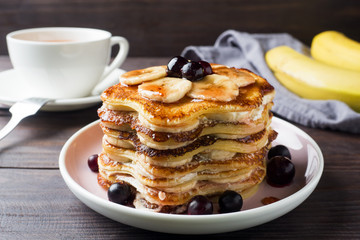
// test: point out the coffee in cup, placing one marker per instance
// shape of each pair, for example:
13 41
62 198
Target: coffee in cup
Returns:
64 62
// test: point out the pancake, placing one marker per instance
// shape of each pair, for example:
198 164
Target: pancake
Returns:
173 157
127 121
176 190
171 143
186 111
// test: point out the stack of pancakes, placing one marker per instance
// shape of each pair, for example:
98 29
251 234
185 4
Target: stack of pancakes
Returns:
170 152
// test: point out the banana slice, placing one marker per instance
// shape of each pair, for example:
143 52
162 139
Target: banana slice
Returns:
214 87
165 90
143 75
241 79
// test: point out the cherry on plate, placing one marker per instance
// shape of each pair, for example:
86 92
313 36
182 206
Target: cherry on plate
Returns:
280 171
119 193
93 163
279 150
199 205
230 201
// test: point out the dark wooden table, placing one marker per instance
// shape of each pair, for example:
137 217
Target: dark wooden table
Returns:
35 203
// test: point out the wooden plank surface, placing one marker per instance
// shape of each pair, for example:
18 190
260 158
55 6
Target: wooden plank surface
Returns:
36 204
164 28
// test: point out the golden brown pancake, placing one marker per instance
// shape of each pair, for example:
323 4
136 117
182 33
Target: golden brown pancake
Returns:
120 97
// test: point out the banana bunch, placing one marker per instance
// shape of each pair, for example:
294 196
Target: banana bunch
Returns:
312 78
335 49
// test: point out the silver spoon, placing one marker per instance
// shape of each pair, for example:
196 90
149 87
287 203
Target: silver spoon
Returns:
21 110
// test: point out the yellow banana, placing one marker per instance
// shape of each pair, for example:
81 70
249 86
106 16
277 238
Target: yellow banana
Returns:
335 49
311 79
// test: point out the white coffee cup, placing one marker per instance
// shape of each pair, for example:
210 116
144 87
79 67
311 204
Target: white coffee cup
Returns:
64 62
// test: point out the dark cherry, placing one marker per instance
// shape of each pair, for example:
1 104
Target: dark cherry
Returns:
192 71
230 201
279 150
280 171
93 163
174 66
119 193
199 205
207 67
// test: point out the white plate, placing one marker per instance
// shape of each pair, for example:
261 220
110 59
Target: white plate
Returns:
306 155
10 92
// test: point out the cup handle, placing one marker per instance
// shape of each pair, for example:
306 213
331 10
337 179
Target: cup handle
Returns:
105 80
120 57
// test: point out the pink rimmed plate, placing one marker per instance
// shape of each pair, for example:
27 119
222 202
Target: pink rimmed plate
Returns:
306 155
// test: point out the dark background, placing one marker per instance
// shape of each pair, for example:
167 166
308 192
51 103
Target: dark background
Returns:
164 28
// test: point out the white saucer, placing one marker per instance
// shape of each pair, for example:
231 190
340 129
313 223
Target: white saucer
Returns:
10 92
